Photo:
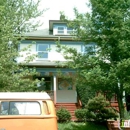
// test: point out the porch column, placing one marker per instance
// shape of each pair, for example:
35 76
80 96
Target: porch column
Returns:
54 83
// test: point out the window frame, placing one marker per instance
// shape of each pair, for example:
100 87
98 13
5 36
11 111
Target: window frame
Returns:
84 49
9 104
60 29
42 52
62 82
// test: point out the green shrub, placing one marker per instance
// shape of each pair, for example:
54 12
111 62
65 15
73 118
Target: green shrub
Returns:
63 115
98 109
80 114
126 115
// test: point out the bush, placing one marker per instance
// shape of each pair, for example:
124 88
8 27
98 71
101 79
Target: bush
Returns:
98 109
127 115
80 114
63 115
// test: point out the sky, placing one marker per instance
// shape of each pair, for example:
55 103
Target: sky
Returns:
55 6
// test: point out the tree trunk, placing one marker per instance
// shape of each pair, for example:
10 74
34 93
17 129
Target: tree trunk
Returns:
121 105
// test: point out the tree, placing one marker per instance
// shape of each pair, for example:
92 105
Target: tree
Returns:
108 26
98 109
16 18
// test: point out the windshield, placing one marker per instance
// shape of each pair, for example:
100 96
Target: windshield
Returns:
20 108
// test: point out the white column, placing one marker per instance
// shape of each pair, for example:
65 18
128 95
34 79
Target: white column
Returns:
54 84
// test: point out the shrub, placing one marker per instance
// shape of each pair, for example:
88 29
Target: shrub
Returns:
63 115
80 114
127 115
98 109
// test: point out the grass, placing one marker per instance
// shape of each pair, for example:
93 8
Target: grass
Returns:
81 126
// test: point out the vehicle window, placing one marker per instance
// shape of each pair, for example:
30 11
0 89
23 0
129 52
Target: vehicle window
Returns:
20 108
45 107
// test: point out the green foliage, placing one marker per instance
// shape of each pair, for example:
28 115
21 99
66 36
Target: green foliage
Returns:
84 94
80 114
16 18
63 115
84 91
81 126
98 109
108 26
127 115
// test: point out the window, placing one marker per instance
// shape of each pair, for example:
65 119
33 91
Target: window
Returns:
42 50
20 108
70 30
60 30
46 111
65 84
88 49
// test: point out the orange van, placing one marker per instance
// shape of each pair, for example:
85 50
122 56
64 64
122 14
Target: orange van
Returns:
27 111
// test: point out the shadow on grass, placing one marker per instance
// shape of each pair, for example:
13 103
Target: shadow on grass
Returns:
81 126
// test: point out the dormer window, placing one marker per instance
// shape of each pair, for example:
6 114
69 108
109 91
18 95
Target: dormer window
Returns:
60 30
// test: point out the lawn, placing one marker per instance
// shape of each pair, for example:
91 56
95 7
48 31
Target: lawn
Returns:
81 126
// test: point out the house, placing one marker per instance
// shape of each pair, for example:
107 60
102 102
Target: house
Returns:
61 90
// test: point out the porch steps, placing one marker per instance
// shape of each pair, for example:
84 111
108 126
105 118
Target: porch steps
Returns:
71 107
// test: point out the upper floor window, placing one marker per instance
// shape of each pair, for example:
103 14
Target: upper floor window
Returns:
89 49
42 50
60 30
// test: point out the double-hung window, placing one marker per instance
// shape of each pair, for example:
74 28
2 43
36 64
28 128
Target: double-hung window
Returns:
60 30
42 50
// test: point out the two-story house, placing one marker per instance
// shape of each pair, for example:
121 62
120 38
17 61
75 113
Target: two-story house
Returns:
62 91
43 43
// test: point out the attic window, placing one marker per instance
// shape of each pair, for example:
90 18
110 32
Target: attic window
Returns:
60 30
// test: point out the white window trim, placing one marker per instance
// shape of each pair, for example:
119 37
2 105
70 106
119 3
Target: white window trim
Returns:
64 29
47 51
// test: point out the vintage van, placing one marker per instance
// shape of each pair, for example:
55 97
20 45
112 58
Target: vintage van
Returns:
27 111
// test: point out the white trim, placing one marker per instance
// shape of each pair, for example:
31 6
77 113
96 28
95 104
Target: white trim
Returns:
54 80
54 84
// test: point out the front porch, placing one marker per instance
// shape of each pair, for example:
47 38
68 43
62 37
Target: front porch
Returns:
61 90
